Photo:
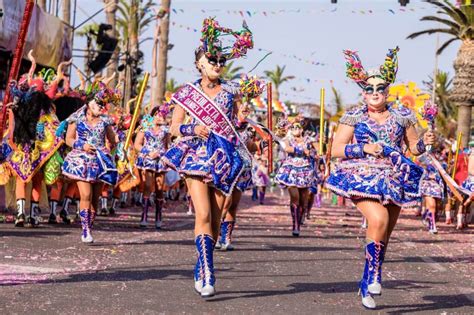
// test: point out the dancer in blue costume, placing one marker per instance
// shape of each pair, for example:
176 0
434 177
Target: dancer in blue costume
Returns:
432 190
250 87
296 171
90 162
193 154
465 213
373 171
151 143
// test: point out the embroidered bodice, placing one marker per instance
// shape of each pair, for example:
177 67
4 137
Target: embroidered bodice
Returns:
225 98
390 133
93 135
155 140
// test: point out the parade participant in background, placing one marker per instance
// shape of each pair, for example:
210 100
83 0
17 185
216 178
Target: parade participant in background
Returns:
151 143
373 172
209 154
250 88
66 102
314 194
296 171
32 137
464 213
90 163
432 190
124 160
261 178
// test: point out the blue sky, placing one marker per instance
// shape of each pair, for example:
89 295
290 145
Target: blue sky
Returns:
301 34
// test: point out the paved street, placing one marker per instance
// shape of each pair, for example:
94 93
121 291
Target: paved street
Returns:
131 271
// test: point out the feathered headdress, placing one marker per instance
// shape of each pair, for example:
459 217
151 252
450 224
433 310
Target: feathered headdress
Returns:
102 94
45 81
211 44
285 122
250 87
387 71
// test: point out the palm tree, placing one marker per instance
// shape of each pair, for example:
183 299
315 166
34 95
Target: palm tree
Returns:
171 85
230 72
127 9
133 19
446 108
163 48
277 79
110 16
458 24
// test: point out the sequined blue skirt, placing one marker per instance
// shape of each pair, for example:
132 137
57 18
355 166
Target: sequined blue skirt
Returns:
392 180
469 183
432 186
90 167
146 164
215 160
292 174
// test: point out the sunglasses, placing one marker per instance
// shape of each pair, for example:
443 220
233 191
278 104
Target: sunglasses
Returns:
296 126
217 61
379 88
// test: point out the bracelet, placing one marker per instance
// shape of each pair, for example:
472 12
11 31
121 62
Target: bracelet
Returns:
187 130
354 151
298 151
420 146
78 144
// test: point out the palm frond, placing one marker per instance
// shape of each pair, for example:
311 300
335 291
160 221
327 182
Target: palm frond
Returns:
432 31
446 44
448 23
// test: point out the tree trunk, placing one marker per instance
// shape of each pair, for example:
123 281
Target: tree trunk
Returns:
67 11
110 11
463 86
163 54
132 50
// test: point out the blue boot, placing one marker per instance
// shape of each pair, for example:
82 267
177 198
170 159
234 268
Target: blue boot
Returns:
295 216
367 299
205 248
198 276
375 253
144 217
86 236
226 235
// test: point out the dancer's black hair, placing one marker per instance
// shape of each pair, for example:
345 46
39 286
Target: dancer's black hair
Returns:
27 113
66 105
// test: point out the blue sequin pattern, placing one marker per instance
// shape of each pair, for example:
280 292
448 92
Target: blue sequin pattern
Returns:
90 167
209 160
153 141
296 170
392 179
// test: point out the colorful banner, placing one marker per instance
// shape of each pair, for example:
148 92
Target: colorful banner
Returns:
333 10
48 36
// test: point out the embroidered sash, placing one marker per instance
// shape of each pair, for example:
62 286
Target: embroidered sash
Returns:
224 149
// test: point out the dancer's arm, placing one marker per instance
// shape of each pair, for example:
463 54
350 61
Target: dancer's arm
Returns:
140 138
71 134
177 128
110 134
416 144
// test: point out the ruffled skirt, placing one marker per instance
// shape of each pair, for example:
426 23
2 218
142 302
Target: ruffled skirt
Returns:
146 164
391 180
216 160
295 175
87 167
